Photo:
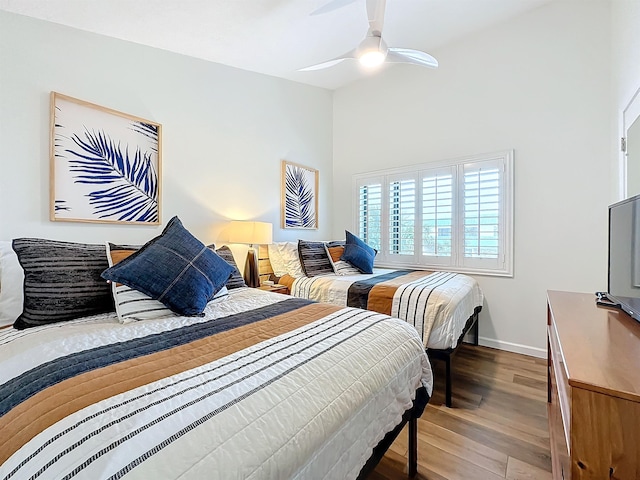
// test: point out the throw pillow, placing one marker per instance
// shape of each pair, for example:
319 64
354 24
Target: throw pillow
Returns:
336 250
174 268
11 284
236 280
291 258
276 260
61 281
132 305
314 258
358 253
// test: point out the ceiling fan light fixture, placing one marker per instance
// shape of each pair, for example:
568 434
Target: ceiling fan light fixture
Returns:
372 58
372 51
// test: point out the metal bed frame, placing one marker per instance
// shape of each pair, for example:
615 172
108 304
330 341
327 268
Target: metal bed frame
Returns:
446 354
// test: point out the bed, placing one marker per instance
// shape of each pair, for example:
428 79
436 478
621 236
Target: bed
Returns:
442 306
262 386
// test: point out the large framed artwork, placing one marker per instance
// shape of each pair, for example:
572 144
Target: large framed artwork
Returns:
105 165
299 196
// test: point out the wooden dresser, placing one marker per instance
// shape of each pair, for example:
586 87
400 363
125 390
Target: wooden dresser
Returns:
594 389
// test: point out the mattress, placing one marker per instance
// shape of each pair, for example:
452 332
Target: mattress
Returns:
263 386
437 304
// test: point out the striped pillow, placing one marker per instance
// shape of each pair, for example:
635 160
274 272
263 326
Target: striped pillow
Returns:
235 280
314 258
132 305
341 267
61 281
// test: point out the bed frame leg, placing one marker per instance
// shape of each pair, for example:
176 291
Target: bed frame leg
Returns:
476 332
448 381
413 447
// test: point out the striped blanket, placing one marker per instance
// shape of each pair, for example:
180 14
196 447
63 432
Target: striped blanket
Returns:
264 386
437 304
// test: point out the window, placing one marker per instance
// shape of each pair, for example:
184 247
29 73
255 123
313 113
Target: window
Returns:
455 215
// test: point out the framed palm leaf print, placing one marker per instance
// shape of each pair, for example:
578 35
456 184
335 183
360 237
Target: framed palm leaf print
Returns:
299 196
105 164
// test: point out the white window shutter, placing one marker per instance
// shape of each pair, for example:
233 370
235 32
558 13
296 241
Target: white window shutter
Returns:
402 195
369 212
438 216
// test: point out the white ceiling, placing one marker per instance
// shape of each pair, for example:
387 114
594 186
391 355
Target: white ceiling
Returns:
274 37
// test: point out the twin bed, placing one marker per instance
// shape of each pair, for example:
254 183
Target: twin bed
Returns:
261 386
442 306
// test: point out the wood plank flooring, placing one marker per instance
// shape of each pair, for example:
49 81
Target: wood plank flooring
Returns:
497 428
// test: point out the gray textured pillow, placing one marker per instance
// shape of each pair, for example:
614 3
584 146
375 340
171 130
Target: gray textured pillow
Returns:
314 258
61 281
236 280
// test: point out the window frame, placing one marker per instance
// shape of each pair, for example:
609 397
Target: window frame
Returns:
457 262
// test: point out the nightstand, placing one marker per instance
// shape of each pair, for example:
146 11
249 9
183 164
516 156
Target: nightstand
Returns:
275 288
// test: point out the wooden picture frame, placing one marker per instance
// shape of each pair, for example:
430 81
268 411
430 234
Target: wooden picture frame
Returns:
299 201
105 165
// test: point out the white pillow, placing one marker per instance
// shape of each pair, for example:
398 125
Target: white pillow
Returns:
277 263
289 253
285 260
11 285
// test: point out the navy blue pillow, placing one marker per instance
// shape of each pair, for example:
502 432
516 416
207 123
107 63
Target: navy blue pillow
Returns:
175 269
358 253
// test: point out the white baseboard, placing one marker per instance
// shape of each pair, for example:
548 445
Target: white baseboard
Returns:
513 347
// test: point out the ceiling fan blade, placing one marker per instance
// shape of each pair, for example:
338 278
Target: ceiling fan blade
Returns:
329 63
375 13
407 55
331 6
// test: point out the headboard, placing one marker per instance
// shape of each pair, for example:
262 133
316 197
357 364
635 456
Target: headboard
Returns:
265 270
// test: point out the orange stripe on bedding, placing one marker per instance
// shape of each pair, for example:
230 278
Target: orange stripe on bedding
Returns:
381 295
49 406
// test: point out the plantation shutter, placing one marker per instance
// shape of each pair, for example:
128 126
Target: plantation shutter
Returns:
370 213
403 202
438 204
454 215
482 199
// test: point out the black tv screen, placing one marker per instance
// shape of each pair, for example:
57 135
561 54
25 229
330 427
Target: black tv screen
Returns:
624 255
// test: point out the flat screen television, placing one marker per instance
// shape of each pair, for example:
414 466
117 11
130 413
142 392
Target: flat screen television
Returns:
624 255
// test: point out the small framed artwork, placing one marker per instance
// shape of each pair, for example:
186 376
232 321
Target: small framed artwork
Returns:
299 196
105 165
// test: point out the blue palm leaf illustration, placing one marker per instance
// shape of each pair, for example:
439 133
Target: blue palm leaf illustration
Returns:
299 199
130 183
60 205
147 130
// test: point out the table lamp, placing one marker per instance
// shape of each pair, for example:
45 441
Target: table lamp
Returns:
251 233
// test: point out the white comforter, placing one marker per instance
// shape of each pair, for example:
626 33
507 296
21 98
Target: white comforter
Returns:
309 403
438 305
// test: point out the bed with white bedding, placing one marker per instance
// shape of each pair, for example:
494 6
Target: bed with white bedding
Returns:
437 304
262 386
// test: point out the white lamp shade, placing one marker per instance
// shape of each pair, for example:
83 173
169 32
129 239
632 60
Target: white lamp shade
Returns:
253 233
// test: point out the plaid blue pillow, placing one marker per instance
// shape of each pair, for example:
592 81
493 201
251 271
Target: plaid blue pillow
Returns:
174 268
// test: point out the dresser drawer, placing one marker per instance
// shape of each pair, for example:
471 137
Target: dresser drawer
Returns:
561 461
559 378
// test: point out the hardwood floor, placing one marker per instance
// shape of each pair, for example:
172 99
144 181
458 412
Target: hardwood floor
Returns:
496 429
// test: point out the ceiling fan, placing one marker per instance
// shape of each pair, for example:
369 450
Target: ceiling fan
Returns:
373 50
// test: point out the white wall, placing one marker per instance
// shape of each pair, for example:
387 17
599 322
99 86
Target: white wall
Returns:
540 84
625 48
225 131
